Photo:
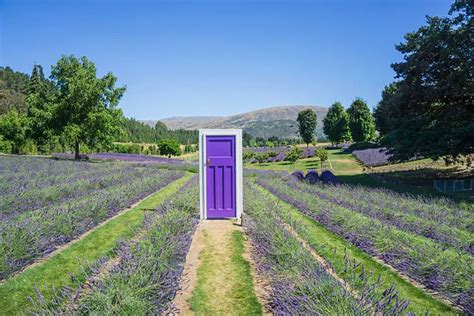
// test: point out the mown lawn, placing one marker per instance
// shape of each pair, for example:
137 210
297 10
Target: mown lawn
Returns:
55 271
225 284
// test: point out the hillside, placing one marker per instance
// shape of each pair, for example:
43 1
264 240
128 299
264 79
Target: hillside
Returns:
275 121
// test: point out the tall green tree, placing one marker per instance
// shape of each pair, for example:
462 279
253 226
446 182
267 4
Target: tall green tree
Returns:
307 120
40 108
429 111
361 121
86 106
336 124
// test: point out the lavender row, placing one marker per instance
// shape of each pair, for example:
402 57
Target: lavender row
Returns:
34 234
123 157
17 203
22 173
147 271
401 218
444 270
299 285
439 210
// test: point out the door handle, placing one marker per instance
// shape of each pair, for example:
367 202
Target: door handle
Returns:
208 161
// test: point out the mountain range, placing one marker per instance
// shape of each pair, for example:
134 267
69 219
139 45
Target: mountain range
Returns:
274 121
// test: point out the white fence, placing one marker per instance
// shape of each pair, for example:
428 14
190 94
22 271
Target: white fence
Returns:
454 185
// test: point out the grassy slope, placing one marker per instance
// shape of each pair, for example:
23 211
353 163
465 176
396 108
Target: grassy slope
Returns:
55 271
236 296
333 247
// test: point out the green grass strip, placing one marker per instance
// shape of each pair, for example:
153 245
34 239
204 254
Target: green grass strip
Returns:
332 248
225 284
14 292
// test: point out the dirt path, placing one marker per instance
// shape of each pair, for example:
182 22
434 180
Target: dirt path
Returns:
209 277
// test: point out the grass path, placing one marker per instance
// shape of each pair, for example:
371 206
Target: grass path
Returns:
224 284
333 249
100 242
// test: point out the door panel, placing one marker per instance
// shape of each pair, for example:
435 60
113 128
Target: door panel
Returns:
220 176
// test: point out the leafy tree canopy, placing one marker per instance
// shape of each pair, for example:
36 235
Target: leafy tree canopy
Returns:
307 125
169 147
86 106
336 124
429 111
361 121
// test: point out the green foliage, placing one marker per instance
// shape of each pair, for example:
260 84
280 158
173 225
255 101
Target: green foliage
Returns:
307 125
13 129
138 132
13 90
336 124
247 155
429 111
361 121
169 147
86 106
246 139
322 154
294 154
189 149
40 108
6 146
127 148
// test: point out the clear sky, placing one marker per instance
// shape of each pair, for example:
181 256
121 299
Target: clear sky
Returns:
219 57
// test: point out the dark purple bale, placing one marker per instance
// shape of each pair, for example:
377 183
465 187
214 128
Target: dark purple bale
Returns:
297 175
312 177
328 177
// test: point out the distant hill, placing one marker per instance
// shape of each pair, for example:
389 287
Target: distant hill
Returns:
275 121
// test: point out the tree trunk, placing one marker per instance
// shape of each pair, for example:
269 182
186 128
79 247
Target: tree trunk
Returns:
76 151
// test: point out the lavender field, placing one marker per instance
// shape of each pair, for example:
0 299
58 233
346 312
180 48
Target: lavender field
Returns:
46 203
430 240
146 268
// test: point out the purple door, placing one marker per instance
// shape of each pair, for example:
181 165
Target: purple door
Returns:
220 176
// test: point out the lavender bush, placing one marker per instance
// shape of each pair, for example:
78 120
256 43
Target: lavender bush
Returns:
372 157
37 218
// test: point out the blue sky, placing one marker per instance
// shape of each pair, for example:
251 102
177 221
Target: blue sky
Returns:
219 57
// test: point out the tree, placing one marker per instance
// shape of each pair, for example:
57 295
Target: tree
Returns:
169 147
336 124
86 106
429 111
13 130
322 154
293 155
161 127
361 121
246 139
39 108
307 125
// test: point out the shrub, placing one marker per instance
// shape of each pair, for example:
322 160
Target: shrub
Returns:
169 147
293 155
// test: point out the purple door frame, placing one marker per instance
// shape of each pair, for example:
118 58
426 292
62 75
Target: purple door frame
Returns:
220 176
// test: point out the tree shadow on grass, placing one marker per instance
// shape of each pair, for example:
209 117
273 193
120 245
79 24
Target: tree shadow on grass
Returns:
465 200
